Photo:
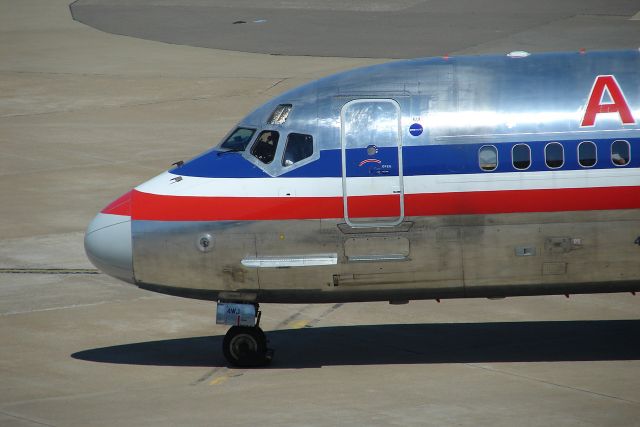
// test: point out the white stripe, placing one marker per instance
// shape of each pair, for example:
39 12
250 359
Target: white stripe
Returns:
243 187
586 178
332 187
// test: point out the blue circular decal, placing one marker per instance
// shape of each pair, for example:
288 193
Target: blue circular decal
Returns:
416 129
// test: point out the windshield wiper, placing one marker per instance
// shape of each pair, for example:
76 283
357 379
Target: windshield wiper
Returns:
232 150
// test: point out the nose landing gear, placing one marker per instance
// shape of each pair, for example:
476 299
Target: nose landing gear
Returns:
245 344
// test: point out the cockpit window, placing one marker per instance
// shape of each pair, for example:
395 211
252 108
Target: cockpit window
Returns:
299 147
239 139
280 114
265 146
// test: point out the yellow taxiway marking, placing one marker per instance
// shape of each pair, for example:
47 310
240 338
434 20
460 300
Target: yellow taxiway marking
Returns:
224 377
218 380
299 324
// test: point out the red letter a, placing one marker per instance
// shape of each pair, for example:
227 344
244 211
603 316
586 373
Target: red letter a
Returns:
619 104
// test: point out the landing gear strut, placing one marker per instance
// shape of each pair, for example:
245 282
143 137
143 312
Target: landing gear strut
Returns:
245 344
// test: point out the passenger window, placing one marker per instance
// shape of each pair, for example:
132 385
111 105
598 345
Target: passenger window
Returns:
620 153
554 155
521 155
299 147
265 146
587 154
488 158
239 139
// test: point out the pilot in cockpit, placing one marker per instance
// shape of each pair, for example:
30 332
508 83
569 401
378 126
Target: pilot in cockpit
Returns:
265 147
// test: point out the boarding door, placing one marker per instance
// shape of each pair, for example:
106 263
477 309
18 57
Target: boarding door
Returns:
372 163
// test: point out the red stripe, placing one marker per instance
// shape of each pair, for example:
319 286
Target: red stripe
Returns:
188 208
120 206
364 206
512 201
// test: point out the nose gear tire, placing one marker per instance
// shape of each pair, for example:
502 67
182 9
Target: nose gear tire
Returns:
246 346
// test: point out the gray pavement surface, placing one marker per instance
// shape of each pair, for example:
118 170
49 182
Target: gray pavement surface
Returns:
85 115
370 28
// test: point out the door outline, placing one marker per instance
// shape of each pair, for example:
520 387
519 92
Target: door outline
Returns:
343 149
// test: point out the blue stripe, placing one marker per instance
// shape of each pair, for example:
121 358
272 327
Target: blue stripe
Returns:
418 160
211 165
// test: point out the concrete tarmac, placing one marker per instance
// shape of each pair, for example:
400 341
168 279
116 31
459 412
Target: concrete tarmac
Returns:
86 115
370 28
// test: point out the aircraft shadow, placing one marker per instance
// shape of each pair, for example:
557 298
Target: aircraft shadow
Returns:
402 344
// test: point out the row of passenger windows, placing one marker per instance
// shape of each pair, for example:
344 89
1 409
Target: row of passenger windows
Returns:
554 155
298 146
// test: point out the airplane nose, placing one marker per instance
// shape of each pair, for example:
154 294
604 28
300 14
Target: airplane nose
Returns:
107 244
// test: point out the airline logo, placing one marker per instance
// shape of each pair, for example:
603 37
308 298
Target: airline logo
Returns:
618 103
364 162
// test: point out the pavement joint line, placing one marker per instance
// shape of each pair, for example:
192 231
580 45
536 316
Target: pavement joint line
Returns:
275 84
93 304
111 107
18 417
325 313
295 324
564 386
95 162
76 396
600 15
210 373
292 317
144 77
136 104
86 155
49 271
103 163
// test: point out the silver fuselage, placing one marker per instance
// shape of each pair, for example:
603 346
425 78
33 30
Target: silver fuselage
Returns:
397 203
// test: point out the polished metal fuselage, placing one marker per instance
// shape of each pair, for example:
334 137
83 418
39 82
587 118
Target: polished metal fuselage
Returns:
457 101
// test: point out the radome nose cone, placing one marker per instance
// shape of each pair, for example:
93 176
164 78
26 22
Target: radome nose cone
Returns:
107 244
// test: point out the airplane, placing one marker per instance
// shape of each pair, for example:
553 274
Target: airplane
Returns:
449 177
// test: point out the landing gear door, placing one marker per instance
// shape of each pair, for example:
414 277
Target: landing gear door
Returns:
372 163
